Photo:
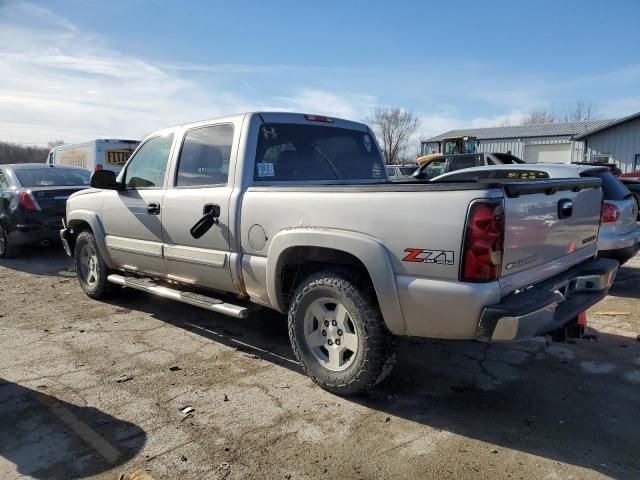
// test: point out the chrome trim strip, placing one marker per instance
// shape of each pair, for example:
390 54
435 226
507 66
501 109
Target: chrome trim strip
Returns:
200 256
141 247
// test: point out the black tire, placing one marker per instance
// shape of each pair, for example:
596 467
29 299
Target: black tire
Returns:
7 250
377 347
99 288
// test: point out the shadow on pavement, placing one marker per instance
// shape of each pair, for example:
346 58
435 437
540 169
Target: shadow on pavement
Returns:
47 438
627 283
575 403
50 261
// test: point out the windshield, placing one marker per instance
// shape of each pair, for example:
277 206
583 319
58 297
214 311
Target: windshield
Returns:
298 152
52 177
434 169
458 146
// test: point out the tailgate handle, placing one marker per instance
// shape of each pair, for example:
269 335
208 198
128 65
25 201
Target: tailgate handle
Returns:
565 208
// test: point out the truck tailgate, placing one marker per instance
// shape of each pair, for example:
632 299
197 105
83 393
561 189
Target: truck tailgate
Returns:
551 223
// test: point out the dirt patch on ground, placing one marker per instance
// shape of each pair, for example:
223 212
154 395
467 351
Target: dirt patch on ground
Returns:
91 389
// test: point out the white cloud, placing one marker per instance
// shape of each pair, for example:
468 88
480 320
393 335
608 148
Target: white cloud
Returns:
60 82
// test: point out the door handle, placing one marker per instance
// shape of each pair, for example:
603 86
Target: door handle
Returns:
153 208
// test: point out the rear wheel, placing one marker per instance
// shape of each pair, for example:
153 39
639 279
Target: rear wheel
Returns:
91 269
7 250
338 334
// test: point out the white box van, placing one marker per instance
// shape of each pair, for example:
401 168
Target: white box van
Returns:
107 154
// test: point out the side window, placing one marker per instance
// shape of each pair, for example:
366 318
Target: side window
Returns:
4 185
204 158
148 166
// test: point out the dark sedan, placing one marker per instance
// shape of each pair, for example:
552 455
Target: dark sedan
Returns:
33 199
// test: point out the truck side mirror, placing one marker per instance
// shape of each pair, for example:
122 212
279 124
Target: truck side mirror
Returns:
104 179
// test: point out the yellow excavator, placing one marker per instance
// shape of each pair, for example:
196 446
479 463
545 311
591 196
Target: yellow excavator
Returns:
451 146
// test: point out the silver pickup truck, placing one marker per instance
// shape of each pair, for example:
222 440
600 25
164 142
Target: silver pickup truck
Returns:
295 213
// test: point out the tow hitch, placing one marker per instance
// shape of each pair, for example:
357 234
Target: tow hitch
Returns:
574 329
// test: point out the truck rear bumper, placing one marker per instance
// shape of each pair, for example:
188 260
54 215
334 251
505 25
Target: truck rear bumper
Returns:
548 305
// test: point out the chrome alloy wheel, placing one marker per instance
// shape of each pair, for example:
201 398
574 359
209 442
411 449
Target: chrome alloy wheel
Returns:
89 265
330 334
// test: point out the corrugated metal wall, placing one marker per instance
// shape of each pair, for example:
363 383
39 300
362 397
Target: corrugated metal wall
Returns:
516 145
622 143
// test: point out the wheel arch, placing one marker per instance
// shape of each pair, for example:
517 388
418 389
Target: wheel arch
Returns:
302 246
79 220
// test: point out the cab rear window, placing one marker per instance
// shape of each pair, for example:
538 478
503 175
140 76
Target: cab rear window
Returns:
301 153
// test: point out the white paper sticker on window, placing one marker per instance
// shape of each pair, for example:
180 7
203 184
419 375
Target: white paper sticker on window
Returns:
266 170
367 142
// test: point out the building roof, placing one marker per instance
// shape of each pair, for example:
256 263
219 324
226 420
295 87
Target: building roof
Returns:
527 131
611 124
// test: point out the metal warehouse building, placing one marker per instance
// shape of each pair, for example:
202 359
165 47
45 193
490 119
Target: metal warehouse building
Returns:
618 141
597 140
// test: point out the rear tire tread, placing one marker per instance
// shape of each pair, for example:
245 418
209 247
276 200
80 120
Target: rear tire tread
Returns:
381 346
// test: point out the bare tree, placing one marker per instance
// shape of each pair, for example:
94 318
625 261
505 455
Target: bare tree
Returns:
393 127
55 143
15 153
580 112
538 117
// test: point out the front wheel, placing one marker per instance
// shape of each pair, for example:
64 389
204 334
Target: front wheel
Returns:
338 334
91 269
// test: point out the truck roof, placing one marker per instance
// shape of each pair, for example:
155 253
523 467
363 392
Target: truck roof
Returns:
283 117
92 142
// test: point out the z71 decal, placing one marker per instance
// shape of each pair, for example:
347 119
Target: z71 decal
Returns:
426 255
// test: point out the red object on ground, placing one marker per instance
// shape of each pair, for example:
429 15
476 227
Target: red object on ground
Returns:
582 319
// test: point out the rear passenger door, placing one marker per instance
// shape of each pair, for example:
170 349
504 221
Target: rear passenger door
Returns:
200 181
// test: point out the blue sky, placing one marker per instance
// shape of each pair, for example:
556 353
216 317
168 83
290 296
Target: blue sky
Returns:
77 70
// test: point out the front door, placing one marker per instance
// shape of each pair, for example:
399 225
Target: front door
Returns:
201 182
132 217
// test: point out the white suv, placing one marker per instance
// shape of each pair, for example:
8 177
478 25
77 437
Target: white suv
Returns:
619 236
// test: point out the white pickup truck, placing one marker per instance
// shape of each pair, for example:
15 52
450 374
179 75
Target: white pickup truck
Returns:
295 213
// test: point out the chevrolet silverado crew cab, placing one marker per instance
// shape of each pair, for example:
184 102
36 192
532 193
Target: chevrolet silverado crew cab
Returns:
295 213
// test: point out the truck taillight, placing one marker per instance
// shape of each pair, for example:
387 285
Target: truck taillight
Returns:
27 201
610 213
483 242
98 167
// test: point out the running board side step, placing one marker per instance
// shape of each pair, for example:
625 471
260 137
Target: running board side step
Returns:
196 299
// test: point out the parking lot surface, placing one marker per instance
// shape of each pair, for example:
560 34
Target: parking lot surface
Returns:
143 387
